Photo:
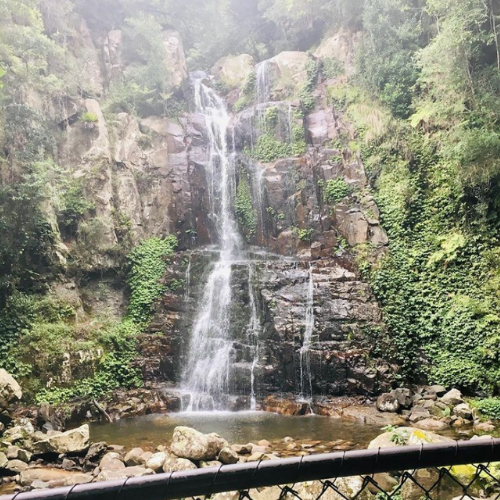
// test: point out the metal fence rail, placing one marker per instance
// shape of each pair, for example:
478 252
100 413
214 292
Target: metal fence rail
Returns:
327 470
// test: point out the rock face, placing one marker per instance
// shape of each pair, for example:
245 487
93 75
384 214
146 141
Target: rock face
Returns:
10 390
233 71
193 445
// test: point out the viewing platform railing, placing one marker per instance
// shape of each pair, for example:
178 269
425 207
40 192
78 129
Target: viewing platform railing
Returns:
400 472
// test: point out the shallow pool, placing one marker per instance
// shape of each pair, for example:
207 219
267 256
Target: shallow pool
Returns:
153 430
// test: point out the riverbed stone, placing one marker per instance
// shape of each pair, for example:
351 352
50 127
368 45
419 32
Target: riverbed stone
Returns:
210 463
134 457
156 461
115 475
111 455
430 424
10 390
439 390
111 464
16 466
16 453
174 464
452 398
484 427
463 410
388 403
73 441
227 456
419 413
403 395
3 460
96 450
45 475
193 445
242 449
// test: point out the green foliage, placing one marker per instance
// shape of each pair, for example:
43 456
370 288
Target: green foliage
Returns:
148 265
331 68
400 438
89 117
304 234
114 369
489 407
306 97
336 190
245 211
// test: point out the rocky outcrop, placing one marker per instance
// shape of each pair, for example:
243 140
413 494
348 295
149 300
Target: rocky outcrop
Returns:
72 441
340 48
233 71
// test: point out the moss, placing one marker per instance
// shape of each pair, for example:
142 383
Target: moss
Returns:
245 212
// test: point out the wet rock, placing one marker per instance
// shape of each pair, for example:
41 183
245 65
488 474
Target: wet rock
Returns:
228 456
429 424
96 450
388 403
156 461
191 444
73 441
134 457
16 466
173 464
10 390
452 398
242 449
463 410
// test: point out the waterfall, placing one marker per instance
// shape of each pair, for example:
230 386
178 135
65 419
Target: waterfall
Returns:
305 357
253 331
206 375
263 82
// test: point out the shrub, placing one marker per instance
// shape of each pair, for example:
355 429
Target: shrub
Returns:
489 408
89 117
148 262
336 190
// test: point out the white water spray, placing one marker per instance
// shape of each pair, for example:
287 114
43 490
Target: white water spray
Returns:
253 336
305 350
206 377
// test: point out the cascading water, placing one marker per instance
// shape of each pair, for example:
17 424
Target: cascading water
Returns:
253 336
263 82
206 376
305 358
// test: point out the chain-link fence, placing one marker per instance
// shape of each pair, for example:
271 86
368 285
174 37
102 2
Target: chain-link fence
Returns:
454 470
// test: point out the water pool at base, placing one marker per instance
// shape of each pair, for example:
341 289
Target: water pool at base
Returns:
150 431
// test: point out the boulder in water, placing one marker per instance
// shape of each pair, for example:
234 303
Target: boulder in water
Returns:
193 445
228 456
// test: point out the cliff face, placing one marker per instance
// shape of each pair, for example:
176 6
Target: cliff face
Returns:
301 200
